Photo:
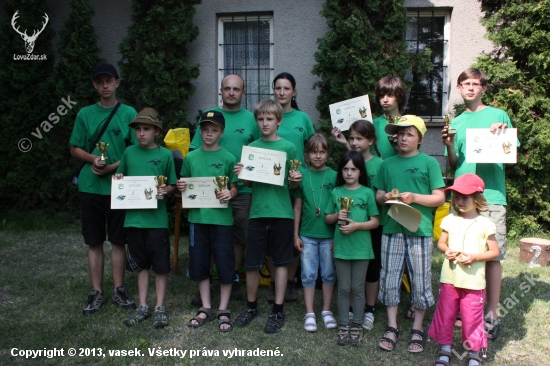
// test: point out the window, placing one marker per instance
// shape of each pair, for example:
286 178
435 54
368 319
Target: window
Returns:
429 95
246 49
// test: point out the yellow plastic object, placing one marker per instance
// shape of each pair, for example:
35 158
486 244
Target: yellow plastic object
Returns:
178 139
405 283
440 213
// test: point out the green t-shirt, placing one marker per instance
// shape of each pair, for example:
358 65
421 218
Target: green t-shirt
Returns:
314 190
89 121
200 163
417 174
296 128
373 167
382 142
492 174
240 130
270 200
137 161
357 245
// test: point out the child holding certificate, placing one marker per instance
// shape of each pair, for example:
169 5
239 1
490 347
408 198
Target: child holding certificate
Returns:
211 229
148 245
271 224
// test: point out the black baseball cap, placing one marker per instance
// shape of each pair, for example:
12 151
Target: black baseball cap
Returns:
214 117
106 69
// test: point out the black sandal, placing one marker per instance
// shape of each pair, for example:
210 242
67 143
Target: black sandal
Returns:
227 314
492 327
410 313
445 354
417 342
392 343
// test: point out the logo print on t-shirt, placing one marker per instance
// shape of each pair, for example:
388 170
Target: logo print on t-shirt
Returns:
216 165
301 129
412 170
328 186
239 131
116 131
362 206
156 162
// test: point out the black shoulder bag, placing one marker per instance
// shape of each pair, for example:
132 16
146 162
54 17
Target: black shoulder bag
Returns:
76 171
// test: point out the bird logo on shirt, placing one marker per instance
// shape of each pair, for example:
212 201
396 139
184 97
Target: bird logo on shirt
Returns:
301 129
239 131
155 162
116 131
362 206
412 170
328 186
216 165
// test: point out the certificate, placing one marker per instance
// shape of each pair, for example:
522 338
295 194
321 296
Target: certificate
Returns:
404 214
133 193
201 193
263 165
343 114
483 146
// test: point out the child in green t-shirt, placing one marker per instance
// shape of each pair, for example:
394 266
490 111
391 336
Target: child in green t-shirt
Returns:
352 240
148 244
417 177
211 229
271 223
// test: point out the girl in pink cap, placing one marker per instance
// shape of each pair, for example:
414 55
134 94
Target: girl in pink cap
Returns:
468 240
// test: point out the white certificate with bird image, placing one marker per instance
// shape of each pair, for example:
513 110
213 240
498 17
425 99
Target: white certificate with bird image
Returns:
263 165
201 193
136 192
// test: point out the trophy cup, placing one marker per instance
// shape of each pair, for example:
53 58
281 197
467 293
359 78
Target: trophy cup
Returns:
160 179
102 147
395 194
448 119
221 184
294 164
345 204
392 120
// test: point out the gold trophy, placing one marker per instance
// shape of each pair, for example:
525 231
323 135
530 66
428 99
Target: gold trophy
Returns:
448 119
345 204
160 179
395 194
102 147
221 184
392 120
294 164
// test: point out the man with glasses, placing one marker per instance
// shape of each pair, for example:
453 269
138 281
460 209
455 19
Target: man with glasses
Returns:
471 85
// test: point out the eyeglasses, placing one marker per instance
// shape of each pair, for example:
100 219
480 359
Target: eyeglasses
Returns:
470 85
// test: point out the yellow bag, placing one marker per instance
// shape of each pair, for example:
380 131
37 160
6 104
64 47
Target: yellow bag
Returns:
178 139
440 213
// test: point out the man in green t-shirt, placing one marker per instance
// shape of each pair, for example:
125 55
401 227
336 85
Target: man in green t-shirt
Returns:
94 184
240 130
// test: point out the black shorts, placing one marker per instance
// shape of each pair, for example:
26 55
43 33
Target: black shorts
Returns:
148 248
241 210
207 241
269 235
375 265
96 213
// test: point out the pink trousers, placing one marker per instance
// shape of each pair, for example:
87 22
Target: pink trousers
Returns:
470 303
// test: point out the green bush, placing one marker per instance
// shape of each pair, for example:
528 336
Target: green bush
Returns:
519 82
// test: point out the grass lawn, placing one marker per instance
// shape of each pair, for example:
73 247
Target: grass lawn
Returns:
44 284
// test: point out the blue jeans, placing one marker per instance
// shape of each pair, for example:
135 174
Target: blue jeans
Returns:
317 251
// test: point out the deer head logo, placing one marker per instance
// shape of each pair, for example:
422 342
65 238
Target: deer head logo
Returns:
29 40
506 147
277 169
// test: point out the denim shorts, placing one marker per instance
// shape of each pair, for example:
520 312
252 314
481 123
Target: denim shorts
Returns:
317 252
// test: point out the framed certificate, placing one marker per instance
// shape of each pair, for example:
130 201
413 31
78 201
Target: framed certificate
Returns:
483 146
133 193
263 165
201 193
343 114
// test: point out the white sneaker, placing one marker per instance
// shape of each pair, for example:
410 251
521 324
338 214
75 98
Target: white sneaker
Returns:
368 321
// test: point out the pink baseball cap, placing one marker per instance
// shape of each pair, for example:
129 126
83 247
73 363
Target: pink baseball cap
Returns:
467 184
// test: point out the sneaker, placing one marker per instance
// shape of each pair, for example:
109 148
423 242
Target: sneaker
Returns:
246 317
291 295
196 300
275 323
138 316
236 293
121 299
271 293
355 334
368 321
343 335
160 317
95 300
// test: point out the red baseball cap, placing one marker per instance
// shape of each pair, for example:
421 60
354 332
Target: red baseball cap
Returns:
467 184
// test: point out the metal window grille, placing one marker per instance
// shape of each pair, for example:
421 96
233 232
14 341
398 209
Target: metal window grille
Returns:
246 49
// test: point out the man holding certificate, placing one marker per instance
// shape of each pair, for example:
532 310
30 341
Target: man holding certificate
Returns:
271 224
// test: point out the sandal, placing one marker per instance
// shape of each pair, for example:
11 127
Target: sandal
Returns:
201 321
410 313
474 358
160 318
458 321
226 313
418 342
444 354
343 335
492 327
310 324
389 330
328 319
355 334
